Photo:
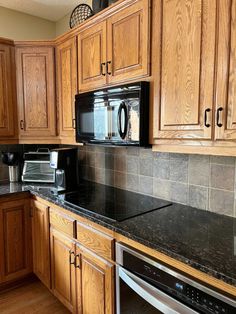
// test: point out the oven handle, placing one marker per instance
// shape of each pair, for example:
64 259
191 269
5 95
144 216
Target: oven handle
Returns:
152 295
122 107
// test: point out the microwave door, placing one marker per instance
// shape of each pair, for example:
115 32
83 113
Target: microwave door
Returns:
93 122
125 121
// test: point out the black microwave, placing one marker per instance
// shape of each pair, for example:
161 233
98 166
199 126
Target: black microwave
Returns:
116 116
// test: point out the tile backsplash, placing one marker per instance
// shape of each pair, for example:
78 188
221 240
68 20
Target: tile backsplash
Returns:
205 182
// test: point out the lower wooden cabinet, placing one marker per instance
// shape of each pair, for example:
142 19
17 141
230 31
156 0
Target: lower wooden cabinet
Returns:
41 242
62 269
95 283
15 240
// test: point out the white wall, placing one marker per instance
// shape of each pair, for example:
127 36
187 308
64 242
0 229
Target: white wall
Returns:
19 26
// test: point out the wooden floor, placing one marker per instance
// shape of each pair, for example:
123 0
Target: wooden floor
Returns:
30 299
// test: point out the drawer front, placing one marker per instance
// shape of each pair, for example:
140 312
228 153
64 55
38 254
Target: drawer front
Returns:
96 241
63 223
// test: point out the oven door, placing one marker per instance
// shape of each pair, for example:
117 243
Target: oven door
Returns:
134 295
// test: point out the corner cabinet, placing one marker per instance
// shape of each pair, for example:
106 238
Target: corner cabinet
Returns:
35 71
66 73
8 110
15 240
109 54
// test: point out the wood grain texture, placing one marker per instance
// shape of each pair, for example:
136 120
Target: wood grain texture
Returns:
36 91
63 273
91 54
41 242
95 283
15 240
66 54
96 241
186 69
226 73
31 298
128 42
8 115
63 223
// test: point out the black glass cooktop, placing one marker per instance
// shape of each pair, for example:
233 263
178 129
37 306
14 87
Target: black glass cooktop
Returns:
113 203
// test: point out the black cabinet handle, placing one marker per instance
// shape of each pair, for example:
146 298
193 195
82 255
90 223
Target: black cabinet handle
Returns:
22 124
73 124
70 258
77 261
207 125
108 71
102 68
219 124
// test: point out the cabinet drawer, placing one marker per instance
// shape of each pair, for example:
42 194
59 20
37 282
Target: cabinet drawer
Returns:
95 240
63 223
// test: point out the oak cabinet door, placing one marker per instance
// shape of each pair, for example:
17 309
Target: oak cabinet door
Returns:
186 72
66 53
95 283
7 91
226 72
128 43
15 240
36 91
63 271
92 57
41 242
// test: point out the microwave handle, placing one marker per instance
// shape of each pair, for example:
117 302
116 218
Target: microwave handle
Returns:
152 295
122 107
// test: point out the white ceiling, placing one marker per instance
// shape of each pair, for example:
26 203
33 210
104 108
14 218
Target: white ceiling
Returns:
52 10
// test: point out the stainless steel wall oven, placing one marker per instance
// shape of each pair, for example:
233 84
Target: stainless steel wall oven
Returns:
143 286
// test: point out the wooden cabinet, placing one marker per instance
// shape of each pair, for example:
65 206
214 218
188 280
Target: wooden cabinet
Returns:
225 126
36 91
116 49
8 115
92 57
15 240
128 43
66 54
95 283
62 268
184 90
41 242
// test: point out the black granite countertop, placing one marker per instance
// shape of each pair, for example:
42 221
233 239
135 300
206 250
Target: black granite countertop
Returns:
204 240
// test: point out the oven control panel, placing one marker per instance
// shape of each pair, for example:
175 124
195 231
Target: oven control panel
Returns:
194 295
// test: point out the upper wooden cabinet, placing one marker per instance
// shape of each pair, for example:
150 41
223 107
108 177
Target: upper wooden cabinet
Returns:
8 115
117 49
128 43
226 72
92 57
36 91
185 84
66 55
41 242
15 240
